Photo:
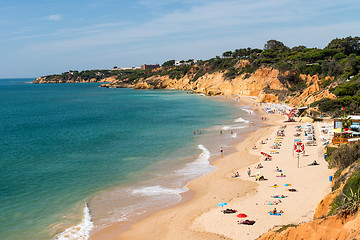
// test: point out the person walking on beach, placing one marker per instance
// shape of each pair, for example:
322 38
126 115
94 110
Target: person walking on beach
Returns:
221 150
249 172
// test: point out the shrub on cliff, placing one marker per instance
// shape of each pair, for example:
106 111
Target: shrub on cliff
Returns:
345 155
348 200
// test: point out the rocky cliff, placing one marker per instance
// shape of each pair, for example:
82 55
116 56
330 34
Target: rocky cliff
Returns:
68 79
267 83
263 83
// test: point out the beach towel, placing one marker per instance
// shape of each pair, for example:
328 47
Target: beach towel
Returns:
277 196
276 214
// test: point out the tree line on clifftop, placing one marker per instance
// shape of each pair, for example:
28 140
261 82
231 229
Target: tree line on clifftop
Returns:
337 65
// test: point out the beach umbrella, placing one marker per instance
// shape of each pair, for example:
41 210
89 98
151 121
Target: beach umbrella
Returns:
265 154
242 215
221 204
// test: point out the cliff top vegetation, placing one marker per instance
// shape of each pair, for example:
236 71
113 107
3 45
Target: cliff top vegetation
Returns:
337 66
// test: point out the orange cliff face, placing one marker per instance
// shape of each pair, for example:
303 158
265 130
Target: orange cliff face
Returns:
263 83
312 93
334 227
217 84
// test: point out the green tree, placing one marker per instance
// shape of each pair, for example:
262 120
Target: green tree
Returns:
169 63
346 45
345 121
275 45
227 54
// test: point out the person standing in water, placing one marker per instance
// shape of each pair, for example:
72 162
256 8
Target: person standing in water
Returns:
221 150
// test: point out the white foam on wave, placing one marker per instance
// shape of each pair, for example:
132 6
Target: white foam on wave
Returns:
248 111
241 120
79 232
200 166
158 190
228 127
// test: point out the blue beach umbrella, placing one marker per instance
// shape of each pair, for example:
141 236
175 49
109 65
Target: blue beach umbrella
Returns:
221 204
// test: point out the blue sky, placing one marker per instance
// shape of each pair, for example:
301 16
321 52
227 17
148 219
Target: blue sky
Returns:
40 37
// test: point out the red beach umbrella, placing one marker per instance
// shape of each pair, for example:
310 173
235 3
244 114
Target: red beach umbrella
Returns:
266 155
242 215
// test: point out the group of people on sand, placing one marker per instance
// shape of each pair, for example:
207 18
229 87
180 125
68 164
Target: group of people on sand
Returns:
260 177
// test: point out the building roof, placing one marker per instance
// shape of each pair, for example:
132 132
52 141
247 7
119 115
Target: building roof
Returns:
354 117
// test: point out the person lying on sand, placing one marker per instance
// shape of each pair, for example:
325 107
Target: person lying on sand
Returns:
314 163
279 170
228 210
259 166
236 174
291 190
279 196
261 178
247 222
270 203
281 175
276 211
275 202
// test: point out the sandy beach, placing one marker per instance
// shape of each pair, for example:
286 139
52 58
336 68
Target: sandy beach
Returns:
200 218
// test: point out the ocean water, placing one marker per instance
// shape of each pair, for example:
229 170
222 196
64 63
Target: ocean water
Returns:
75 158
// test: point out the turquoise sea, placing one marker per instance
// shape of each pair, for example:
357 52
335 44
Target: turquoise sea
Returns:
84 156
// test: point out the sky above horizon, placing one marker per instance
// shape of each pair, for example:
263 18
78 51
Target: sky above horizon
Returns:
42 37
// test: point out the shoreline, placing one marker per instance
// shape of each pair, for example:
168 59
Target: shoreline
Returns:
102 215
120 230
